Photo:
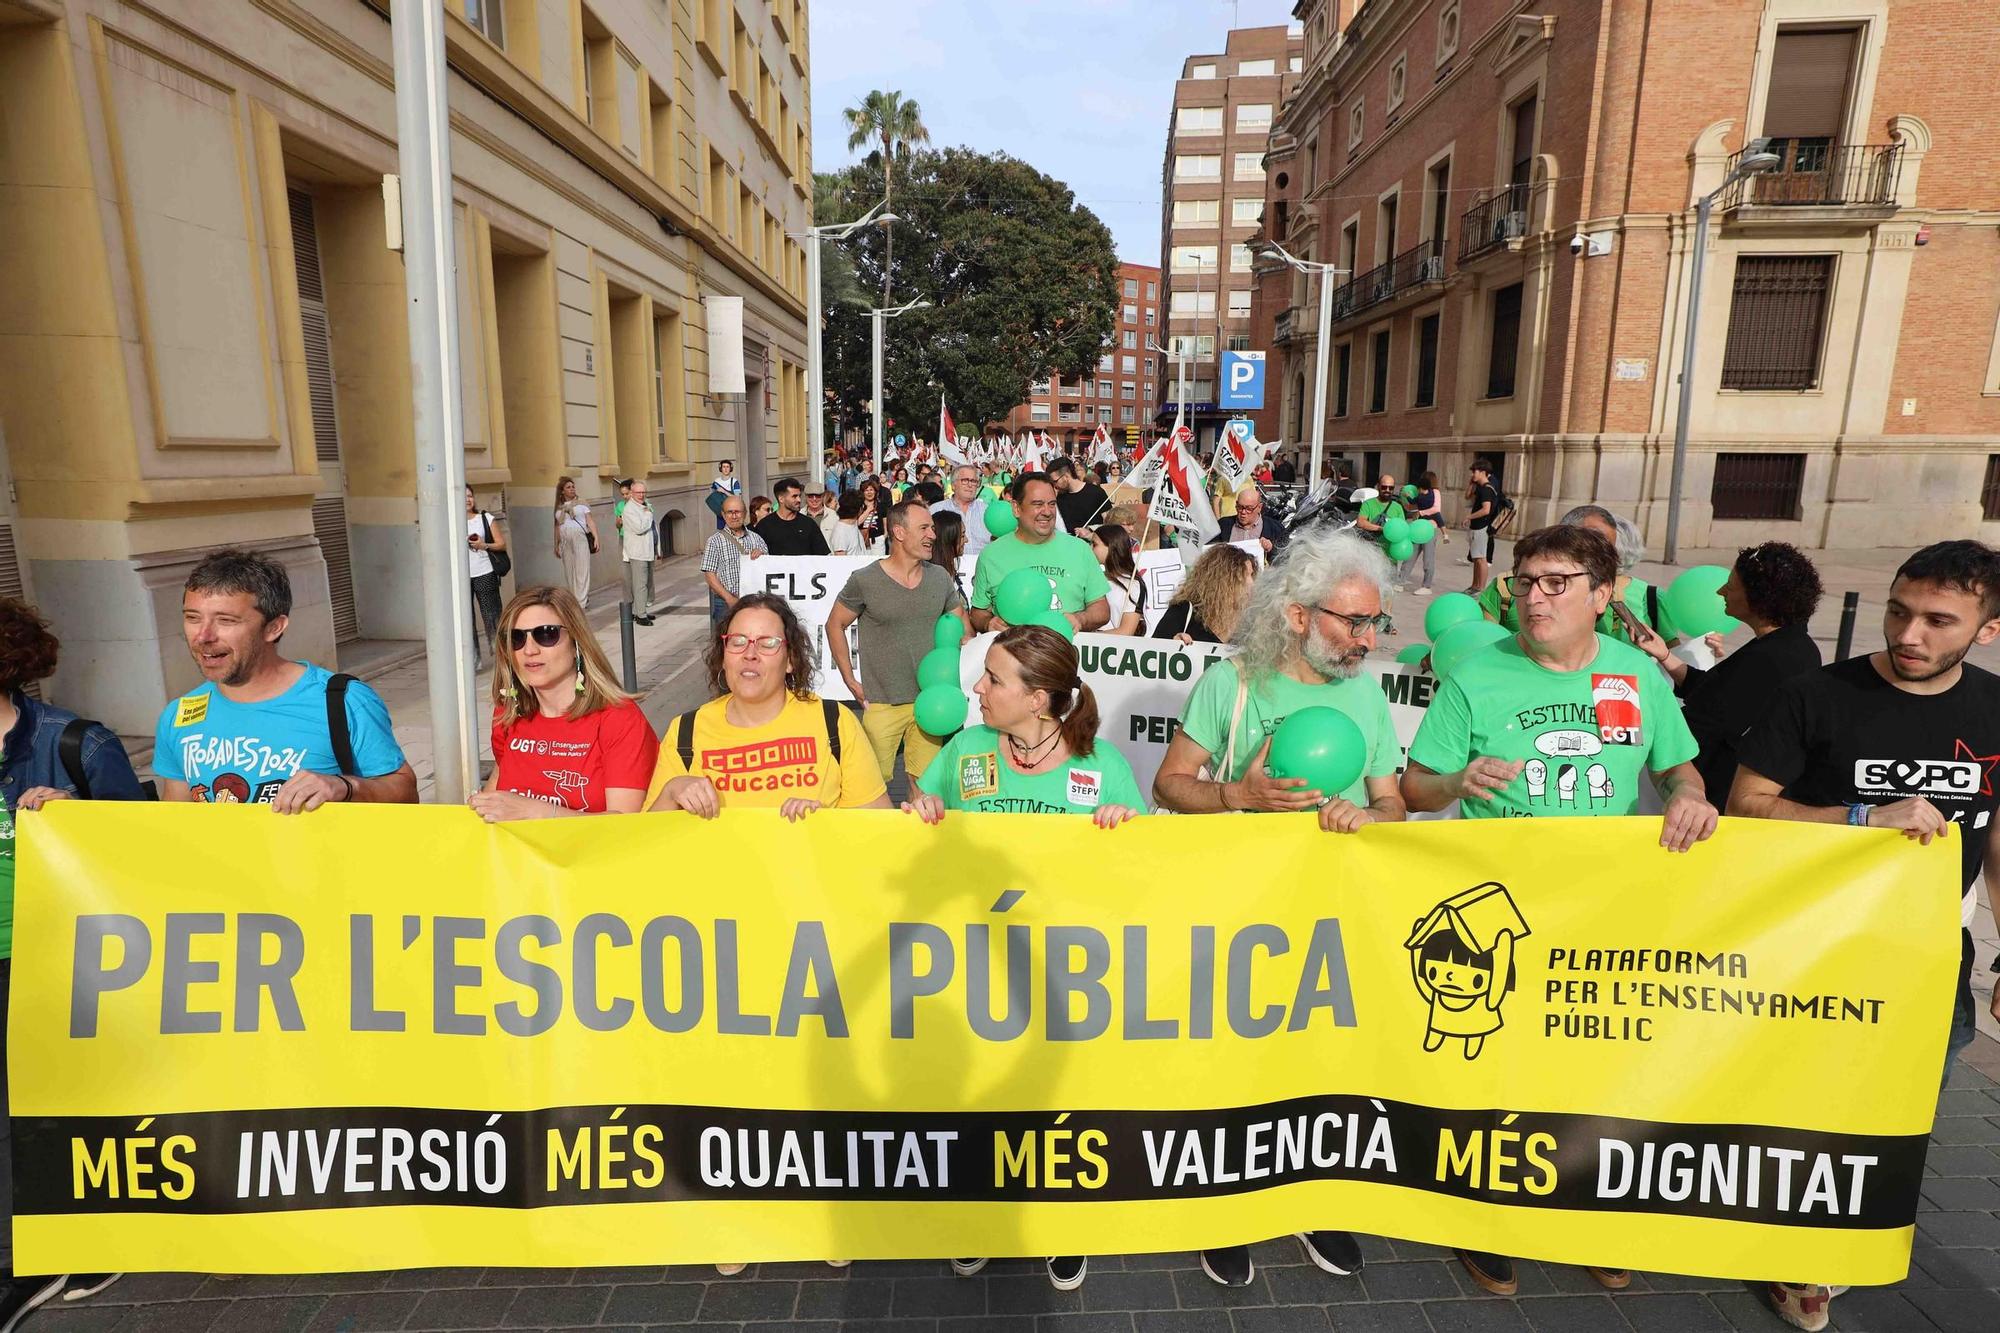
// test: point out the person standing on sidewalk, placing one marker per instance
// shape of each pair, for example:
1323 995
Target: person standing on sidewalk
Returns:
897 602
260 727
724 485
1485 507
635 542
576 539
49 755
485 534
722 559
1429 504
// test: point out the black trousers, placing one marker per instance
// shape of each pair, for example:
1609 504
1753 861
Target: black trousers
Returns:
486 600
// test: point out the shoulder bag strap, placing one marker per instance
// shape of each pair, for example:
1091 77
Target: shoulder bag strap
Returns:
336 723
831 712
684 739
69 746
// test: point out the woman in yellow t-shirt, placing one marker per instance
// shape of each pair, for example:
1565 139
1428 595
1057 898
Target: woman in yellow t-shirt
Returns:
766 741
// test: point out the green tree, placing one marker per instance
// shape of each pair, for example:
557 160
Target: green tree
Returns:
892 123
1022 281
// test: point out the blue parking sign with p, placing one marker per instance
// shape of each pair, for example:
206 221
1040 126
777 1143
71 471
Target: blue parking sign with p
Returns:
1242 380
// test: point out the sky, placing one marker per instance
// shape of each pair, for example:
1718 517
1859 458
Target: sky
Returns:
1082 90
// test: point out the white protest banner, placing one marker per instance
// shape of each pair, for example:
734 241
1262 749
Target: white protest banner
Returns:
1255 549
1161 571
809 583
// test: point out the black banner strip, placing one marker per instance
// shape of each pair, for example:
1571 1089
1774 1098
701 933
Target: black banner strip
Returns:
361 1157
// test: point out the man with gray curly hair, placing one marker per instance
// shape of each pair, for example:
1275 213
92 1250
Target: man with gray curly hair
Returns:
1303 639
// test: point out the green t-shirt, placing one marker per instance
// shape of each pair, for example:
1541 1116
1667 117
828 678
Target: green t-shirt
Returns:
1270 700
1373 510
970 774
1586 736
6 879
1499 606
1068 560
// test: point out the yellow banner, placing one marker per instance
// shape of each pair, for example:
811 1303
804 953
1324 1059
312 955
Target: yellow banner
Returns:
388 1037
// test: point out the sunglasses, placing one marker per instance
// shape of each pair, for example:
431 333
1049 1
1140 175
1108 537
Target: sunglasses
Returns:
546 635
766 643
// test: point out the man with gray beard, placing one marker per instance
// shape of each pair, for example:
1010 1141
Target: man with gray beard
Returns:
1302 643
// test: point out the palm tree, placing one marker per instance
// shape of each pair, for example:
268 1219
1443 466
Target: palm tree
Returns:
893 122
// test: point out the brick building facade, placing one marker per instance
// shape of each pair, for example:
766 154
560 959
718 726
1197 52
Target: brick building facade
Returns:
1120 391
1512 185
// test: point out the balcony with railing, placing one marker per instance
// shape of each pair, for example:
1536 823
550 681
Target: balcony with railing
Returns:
1492 222
1421 265
1813 173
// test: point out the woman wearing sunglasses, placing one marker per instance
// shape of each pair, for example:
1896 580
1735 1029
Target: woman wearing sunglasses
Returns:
766 741
566 739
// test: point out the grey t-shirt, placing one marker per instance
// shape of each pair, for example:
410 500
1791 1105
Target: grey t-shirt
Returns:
897 626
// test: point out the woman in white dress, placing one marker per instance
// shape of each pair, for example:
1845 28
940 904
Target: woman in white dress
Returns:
576 538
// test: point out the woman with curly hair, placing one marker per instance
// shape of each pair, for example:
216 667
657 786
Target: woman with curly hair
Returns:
1206 606
765 741
1774 589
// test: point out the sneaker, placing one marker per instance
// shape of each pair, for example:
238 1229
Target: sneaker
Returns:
81 1286
967 1267
1335 1252
727 1270
20 1296
1493 1272
1611 1279
1067 1271
1229 1267
1801 1307
1424 591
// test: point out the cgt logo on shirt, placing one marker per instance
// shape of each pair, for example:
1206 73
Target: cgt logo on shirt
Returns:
1616 700
1947 778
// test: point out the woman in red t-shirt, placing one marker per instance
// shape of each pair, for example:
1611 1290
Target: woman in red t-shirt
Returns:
566 739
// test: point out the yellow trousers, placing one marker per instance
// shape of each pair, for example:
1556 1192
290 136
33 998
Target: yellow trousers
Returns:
892 725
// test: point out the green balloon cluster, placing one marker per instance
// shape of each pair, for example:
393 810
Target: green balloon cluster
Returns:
1409 490
1693 602
938 667
1422 531
1000 518
1053 620
1321 745
1461 641
1451 609
949 633
1022 596
1395 528
940 709
1414 653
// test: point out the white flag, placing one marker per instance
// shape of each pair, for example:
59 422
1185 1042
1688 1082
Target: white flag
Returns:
1237 454
1101 448
1035 458
1180 500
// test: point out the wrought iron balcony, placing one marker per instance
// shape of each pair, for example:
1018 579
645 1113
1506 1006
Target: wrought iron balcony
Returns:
1420 265
1492 222
1283 331
1815 173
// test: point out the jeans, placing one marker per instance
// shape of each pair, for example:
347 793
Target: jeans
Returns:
718 611
1964 1017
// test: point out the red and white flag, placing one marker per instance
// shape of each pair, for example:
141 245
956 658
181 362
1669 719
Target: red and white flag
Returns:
1101 448
1237 454
947 436
1180 499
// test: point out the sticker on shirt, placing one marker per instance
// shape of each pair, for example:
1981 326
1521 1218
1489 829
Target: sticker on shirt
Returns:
1086 788
1564 784
978 775
193 708
1616 701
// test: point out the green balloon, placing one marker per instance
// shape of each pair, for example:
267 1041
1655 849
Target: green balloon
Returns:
939 667
1395 528
1321 745
949 633
1023 595
1402 550
1410 490
1451 609
940 710
1694 601
1414 653
1460 641
1000 518
1422 531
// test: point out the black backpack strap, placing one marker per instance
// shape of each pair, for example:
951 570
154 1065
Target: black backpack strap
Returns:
69 746
831 711
336 724
684 739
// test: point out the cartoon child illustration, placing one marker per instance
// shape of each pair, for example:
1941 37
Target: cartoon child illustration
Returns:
1537 774
1599 782
1462 961
1566 784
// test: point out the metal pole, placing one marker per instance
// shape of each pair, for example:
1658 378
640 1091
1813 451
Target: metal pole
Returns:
1322 361
815 393
875 317
628 649
1850 603
1672 553
423 152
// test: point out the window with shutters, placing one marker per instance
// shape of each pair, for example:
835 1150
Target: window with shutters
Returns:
1805 106
1504 345
1989 490
329 512
1758 486
1777 320
1424 391
1343 365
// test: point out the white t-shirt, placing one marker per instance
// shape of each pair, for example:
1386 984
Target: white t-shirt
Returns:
578 516
477 560
847 540
1124 596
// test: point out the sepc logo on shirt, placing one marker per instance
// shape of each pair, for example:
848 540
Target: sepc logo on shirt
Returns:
1918 777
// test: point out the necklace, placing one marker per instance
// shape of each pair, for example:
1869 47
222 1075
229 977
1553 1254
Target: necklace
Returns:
1027 756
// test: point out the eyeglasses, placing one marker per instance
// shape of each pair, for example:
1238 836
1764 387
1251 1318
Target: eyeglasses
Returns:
1358 625
1552 585
546 635
740 643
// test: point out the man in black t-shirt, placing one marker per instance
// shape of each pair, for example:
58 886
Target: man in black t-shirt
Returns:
785 530
1080 502
1479 521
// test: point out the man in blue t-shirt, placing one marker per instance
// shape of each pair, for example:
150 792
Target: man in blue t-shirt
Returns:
256 729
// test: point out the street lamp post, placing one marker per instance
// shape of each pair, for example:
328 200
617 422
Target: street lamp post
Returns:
815 386
880 317
1758 159
1322 359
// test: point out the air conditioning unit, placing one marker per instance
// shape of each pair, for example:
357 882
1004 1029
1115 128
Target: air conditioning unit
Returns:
1432 269
1510 226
